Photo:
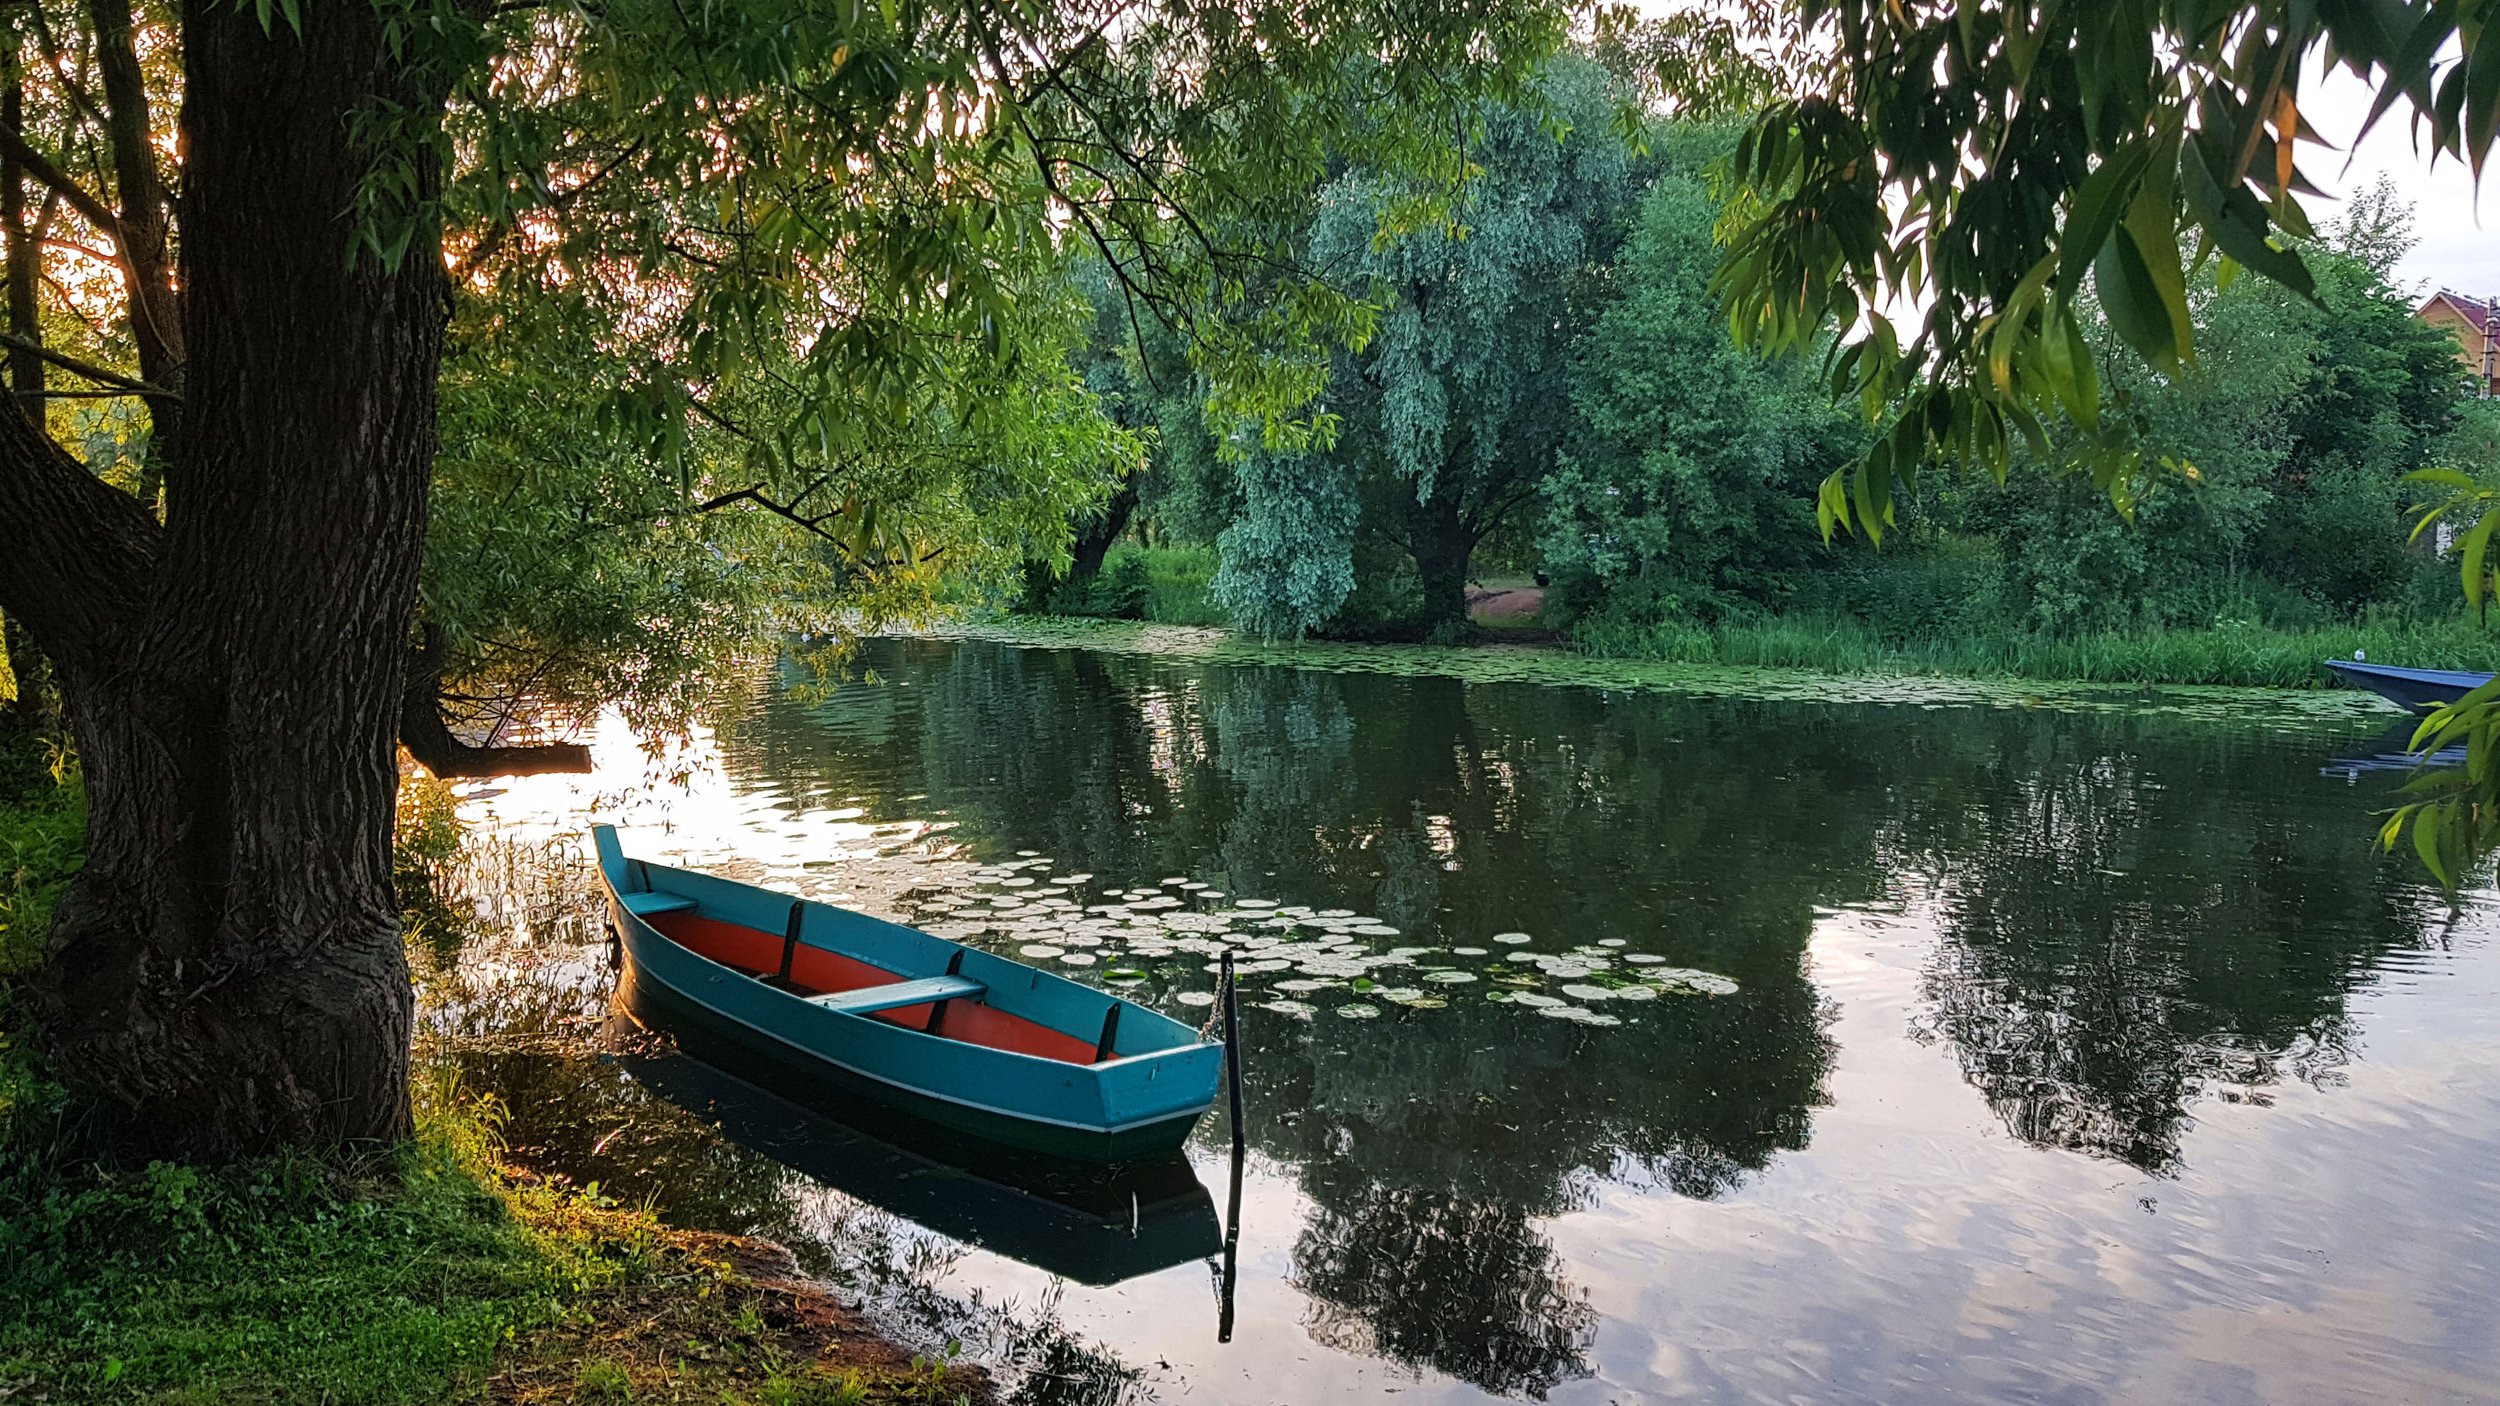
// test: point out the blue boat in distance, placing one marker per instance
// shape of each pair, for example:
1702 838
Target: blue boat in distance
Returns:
958 1036
2414 690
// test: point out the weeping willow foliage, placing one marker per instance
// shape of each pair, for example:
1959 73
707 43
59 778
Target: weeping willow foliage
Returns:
766 312
1458 403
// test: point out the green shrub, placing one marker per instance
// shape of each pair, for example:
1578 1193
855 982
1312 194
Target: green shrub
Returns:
1125 588
2235 652
42 840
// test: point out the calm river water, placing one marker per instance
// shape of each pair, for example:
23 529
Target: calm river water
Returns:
1602 1045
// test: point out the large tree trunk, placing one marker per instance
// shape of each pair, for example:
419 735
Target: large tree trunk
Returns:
227 970
1442 546
1094 538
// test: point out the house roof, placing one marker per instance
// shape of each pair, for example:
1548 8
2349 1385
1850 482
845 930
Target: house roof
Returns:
2477 311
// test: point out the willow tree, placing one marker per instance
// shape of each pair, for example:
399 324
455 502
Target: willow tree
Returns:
791 198
1456 405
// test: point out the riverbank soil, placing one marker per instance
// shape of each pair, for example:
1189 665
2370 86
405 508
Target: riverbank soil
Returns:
724 1319
1505 606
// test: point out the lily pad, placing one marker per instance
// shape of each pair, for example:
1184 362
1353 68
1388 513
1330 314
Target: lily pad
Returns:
1693 980
1513 938
1450 978
1196 998
1300 1008
1041 949
1536 999
1358 1011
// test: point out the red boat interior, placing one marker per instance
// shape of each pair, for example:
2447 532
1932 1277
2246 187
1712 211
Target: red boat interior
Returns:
816 972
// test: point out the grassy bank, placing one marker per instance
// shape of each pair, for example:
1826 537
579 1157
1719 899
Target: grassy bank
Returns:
433 1272
1164 585
2241 655
1171 585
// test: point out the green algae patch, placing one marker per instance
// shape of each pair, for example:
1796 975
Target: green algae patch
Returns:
2274 709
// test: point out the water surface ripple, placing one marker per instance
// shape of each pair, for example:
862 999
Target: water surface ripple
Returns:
1612 1045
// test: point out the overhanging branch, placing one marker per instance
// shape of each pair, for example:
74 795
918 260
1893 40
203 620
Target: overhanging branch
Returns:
13 143
101 375
75 552
792 511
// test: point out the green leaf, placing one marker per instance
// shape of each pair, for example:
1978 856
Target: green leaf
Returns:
2094 215
2470 556
2237 222
2134 300
2429 825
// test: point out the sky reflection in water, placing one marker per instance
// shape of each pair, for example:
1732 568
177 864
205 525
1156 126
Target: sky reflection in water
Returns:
2070 1056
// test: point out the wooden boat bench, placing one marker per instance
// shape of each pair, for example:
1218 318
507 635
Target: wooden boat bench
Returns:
652 901
868 1000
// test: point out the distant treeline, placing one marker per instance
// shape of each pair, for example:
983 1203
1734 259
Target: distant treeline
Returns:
1551 390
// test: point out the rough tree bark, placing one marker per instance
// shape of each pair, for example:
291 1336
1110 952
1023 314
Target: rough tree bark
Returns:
143 234
24 264
1095 537
1442 544
227 971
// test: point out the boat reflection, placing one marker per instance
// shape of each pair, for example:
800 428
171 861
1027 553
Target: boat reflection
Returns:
2390 750
1092 1224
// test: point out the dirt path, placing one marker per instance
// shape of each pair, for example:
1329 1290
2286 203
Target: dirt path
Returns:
1506 605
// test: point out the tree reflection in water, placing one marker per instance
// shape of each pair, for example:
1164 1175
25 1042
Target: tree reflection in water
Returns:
1432 1143
2128 913
2127 929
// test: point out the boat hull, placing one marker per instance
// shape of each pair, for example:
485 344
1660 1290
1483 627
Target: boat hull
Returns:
824 1081
1095 1224
953 1035
2414 690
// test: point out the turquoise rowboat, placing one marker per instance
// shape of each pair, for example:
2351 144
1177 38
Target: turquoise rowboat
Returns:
964 1038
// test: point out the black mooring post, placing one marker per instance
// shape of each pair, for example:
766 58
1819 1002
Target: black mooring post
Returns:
1232 1255
1226 1275
1232 1046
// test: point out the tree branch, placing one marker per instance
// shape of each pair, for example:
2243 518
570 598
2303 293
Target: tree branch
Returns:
144 235
790 511
102 376
75 552
431 741
94 211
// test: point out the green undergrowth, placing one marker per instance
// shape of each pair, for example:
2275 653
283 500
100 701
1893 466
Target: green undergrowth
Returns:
2238 655
1166 585
43 826
285 1279
435 1271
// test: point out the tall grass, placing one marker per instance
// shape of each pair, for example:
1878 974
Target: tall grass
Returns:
43 832
2252 655
1180 583
1167 585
